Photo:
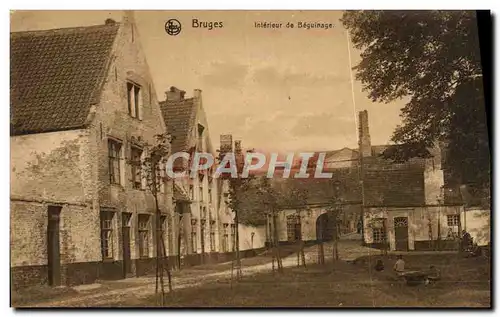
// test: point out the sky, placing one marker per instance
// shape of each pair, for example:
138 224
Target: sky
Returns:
283 90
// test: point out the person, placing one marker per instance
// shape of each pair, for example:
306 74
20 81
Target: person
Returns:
399 266
466 241
434 275
450 235
379 267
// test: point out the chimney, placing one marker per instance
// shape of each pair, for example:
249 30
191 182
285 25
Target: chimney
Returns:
237 146
226 143
197 94
128 16
365 147
175 94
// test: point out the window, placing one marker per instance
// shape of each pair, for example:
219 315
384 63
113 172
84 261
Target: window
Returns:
233 236
163 179
144 225
225 239
212 236
204 212
201 193
134 100
452 220
114 152
293 227
378 235
135 167
194 246
200 137
107 234
163 228
210 195
290 227
191 192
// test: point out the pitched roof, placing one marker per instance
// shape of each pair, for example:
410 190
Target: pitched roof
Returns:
385 184
179 116
320 190
56 75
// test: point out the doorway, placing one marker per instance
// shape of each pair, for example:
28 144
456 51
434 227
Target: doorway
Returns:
127 262
53 249
401 233
324 228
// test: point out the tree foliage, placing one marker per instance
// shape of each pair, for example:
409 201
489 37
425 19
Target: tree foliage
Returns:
433 59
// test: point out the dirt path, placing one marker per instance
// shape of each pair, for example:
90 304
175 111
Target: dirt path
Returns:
114 291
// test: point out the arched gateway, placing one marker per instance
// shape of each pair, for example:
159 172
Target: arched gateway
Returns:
325 229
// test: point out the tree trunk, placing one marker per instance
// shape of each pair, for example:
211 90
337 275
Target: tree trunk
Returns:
160 247
179 241
335 255
277 244
321 250
237 241
439 230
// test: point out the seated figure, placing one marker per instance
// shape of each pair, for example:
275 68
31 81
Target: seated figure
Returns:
379 266
434 274
399 266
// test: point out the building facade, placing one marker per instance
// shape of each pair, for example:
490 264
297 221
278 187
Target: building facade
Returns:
394 205
84 109
207 229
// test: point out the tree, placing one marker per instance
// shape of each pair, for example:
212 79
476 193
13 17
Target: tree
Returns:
433 59
334 210
237 195
153 166
270 198
297 199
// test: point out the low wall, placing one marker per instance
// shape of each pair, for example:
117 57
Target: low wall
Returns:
91 272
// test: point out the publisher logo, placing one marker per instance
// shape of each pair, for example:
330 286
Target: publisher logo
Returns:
173 27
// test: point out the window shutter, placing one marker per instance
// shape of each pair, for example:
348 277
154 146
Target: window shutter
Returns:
141 103
142 173
133 101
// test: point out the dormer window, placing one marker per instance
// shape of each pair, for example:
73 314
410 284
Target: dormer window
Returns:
134 100
200 130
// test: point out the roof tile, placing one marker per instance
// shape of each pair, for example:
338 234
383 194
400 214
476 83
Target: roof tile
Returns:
55 76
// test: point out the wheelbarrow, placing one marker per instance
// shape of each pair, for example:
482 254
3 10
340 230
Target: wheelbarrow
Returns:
416 277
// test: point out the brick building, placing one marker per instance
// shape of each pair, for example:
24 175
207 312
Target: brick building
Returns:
207 233
404 206
83 108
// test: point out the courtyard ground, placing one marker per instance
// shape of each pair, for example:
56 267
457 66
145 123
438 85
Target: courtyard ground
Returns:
465 283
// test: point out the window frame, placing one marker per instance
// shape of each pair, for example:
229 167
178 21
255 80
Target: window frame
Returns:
233 236
194 239
144 234
212 236
379 235
112 160
107 233
191 192
136 167
163 232
134 94
455 220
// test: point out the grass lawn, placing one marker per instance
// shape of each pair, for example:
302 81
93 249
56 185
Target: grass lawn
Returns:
464 283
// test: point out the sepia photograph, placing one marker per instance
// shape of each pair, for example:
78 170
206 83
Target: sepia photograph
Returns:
239 159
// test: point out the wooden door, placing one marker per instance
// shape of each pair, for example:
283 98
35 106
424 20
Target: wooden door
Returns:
401 233
127 262
53 250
